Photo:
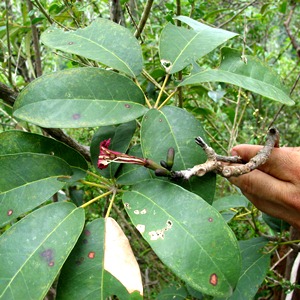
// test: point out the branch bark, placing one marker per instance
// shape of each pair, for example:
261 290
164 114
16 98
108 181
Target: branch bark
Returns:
216 164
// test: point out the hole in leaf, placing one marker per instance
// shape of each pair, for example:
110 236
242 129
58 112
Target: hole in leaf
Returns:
210 219
127 105
10 212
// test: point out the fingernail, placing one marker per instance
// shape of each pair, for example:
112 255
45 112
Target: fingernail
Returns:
233 152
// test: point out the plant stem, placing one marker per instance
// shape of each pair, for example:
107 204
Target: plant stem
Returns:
96 198
146 98
101 186
167 99
110 204
161 91
144 18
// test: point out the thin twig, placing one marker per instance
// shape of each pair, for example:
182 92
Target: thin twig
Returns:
238 13
288 31
144 18
8 43
35 40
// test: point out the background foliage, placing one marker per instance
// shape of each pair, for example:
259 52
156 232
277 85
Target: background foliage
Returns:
268 31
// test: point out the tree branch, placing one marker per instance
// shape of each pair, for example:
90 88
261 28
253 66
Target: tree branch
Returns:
144 18
215 162
288 31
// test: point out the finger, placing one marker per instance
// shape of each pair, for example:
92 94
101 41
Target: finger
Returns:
260 185
270 195
283 163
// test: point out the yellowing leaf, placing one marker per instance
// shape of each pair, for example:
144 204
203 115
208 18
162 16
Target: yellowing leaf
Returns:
119 259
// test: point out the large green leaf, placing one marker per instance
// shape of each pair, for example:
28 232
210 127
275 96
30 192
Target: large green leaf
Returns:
180 47
120 139
175 127
250 74
103 41
20 141
83 275
255 265
33 250
82 97
188 235
27 180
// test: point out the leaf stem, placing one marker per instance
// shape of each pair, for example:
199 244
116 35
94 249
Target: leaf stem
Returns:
95 199
161 90
167 99
101 186
111 203
99 177
146 98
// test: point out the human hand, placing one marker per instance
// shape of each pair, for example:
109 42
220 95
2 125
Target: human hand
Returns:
274 187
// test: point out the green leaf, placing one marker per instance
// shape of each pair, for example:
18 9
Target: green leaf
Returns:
120 139
173 292
131 174
83 275
180 47
252 75
27 180
103 41
64 100
20 141
33 250
188 235
175 127
231 201
275 224
255 265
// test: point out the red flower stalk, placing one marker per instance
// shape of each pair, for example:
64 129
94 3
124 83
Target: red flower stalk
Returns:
107 156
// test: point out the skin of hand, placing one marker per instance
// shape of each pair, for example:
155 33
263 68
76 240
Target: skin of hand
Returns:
274 187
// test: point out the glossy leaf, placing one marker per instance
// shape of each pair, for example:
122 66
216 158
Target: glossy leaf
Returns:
20 141
188 235
120 139
103 41
83 275
175 127
27 180
64 100
252 75
255 265
180 47
33 250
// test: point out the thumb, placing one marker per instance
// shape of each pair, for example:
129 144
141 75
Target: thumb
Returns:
246 152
